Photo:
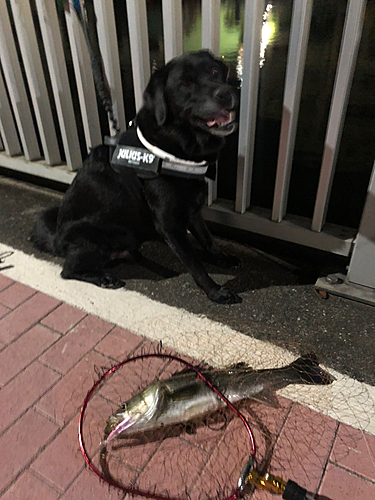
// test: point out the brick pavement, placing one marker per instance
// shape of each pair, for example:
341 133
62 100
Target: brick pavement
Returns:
48 354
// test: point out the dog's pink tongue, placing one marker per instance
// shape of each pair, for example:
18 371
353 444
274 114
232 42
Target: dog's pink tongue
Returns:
224 117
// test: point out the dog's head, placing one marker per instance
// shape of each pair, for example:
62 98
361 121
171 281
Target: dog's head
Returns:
192 89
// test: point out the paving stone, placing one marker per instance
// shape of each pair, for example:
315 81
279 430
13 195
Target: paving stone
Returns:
26 315
66 397
4 310
74 345
303 447
14 295
5 282
64 318
119 343
172 470
128 461
22 442
62 460
266 417
24 350
355 450
87 487
339 484
225 464
29 487
23 391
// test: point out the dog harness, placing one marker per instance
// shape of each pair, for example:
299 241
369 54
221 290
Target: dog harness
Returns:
133 152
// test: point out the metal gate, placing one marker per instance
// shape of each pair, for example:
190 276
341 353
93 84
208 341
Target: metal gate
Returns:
25 105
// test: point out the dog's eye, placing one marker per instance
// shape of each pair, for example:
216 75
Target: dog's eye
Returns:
215 72
185 83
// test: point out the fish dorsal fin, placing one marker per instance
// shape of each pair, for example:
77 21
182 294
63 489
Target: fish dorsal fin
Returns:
239 366
266 397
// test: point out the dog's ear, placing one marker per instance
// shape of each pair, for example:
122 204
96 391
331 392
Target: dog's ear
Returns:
154 98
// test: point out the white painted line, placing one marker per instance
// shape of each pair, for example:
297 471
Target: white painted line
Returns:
347 400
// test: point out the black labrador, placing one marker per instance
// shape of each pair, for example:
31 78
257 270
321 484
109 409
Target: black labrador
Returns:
188 110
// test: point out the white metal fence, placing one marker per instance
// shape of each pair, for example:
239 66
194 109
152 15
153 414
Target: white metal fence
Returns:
19 119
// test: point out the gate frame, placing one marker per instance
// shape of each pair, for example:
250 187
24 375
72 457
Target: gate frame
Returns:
358 283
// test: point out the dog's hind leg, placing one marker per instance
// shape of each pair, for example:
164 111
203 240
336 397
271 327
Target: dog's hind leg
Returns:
87 262
89 248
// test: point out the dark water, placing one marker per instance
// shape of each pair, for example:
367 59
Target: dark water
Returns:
358 142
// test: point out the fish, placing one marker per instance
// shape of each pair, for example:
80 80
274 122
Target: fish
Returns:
184 396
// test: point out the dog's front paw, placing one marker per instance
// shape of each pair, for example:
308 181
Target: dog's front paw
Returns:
224 296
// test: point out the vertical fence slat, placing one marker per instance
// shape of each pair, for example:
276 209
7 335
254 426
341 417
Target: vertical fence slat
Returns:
300 28
7 126
249 101
50 29
34 72
211 25
211 41
16 87
139 47
84 79
107 35
344 76
172 28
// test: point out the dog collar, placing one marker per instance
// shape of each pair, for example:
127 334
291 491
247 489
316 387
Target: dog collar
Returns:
171 162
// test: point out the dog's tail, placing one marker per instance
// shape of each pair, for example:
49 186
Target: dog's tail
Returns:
43 233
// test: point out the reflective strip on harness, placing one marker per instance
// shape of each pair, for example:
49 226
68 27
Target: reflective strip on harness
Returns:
184 169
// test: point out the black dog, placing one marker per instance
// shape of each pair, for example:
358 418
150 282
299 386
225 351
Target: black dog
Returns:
188 110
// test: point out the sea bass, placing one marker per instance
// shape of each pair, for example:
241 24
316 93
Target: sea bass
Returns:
184 396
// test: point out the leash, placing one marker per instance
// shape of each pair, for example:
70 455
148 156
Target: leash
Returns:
87 19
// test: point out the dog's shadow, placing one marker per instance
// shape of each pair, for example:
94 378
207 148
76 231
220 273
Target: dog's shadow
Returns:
156 262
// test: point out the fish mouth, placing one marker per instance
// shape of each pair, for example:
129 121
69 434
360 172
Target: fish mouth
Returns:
112 423
220 124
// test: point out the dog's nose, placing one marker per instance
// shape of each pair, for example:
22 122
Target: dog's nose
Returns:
225 96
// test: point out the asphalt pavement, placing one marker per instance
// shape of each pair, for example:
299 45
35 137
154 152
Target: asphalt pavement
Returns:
276 282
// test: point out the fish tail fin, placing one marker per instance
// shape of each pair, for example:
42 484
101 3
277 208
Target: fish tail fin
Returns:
309 371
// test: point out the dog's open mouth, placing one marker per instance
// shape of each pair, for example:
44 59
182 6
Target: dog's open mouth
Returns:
221 124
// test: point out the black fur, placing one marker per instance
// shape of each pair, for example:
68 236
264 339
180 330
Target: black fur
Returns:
104 214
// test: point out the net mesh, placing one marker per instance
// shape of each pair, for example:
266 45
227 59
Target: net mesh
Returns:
203 458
